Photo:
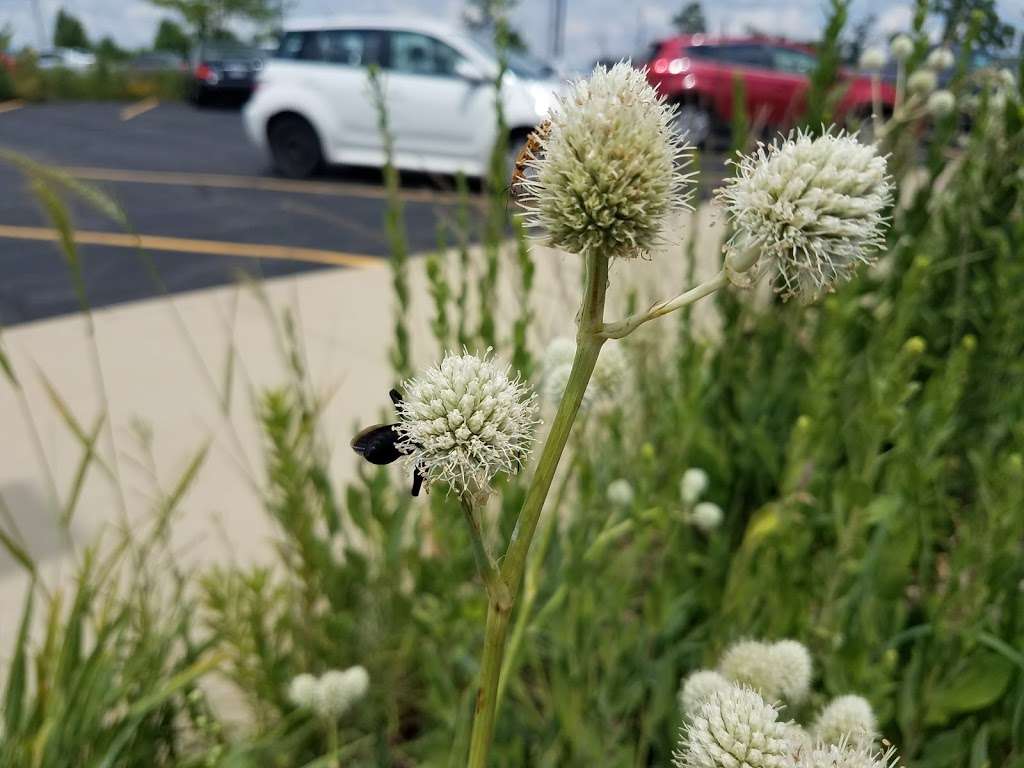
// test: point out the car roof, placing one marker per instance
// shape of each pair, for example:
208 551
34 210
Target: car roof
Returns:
388 22
693 41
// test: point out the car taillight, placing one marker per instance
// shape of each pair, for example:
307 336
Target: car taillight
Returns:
205 73
678 66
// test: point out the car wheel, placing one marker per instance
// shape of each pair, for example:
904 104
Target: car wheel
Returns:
294 146
693 122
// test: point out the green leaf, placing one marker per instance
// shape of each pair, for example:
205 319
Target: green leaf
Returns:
976 685
14 698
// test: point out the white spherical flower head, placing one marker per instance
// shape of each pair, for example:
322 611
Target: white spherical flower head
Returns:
1009 80
813 209
922 82
873 59
607 172
794 669
845 756
734 728
799 739
693 485
358 680
941 103
847 719
940 59
302 691
901 47
620 493
697 687
560 352
464 421
706 516
610 372
751 663
332 695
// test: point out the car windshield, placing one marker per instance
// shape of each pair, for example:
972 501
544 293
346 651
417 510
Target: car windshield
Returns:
228 51
519 63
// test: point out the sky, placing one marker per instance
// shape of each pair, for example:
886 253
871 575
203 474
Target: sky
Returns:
593 27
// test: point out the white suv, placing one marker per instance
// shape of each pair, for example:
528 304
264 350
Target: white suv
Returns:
312 103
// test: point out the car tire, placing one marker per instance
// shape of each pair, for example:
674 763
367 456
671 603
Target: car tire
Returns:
694 122
294 146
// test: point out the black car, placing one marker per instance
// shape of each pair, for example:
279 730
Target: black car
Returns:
223 70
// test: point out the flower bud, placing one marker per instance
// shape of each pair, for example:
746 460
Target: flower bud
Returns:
940 59
847 719
706 516
872 59
941 103
922 82
620 493
699 686
901 47
693 485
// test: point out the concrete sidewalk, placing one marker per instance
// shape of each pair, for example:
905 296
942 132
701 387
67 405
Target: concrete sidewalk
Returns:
163 362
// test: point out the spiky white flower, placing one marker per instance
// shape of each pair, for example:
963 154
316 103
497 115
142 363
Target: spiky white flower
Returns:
620 493
607 172
901 47
302 691
734 728
810 208
847 718
941 103
605 384
464 421
693 484
922 82
873 58
846 756
706 516
799 739
794 669
750 663
940 59
337 690
697 686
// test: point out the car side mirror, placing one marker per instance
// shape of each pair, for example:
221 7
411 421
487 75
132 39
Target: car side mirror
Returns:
469 72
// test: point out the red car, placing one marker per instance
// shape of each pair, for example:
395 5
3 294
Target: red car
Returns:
696 72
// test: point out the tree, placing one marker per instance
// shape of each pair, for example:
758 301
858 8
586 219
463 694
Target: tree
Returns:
690 20
172 38
206 18
956 16
68 32
108 50
482 16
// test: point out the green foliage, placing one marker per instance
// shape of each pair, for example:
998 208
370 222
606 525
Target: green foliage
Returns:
170 37
210 18
821 94
690 20
102 82
68 31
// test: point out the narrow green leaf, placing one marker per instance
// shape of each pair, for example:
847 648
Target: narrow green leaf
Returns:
14 697
88 457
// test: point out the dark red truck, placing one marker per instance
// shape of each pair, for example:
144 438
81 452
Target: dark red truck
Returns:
697 71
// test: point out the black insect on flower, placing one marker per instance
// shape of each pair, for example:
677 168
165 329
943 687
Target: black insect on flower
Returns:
379 445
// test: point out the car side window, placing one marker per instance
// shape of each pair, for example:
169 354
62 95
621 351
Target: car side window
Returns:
349 47
794 62
745 54
418 54
291 45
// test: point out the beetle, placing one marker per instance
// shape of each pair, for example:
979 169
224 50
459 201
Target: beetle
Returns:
379 445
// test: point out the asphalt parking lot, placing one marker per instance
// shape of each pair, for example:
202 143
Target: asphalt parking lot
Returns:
202 201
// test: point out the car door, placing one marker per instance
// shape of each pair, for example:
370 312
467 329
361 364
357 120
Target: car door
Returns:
751 62
439 119
334 63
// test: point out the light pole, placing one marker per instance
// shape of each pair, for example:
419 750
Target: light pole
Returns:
557 42
37 14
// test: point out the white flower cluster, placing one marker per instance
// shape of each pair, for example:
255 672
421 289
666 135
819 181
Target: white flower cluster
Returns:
607 172
703 515
901 47
620 493
464 421
810 208
332 694
605 385
873 59
730 720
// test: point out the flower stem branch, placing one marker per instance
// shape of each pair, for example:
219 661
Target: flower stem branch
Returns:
588 346
625 327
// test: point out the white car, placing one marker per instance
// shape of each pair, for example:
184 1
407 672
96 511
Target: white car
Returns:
67 58
313 103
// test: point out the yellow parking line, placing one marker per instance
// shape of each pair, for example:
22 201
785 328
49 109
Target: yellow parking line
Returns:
209 247
10 106
227 181
139 108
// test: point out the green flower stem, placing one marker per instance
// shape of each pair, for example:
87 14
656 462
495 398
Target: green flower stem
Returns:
496 590
588 346
631 323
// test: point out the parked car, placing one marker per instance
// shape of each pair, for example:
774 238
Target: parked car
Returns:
223 69
66 58
697 72
313 103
